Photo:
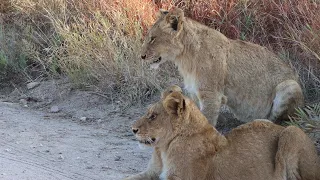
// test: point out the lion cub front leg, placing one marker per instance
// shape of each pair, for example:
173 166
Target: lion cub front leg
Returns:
154 168
210 103
181 168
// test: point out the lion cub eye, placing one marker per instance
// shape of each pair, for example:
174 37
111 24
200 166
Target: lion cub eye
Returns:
152 117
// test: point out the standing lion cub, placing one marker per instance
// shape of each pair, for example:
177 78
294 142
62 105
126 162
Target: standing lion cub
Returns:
216 70
187 147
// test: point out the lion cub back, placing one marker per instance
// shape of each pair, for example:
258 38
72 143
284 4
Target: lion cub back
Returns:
263 150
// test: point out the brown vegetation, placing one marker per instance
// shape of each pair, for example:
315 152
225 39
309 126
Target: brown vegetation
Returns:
97 42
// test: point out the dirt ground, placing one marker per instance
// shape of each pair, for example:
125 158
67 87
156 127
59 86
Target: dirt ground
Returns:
88 139
55 132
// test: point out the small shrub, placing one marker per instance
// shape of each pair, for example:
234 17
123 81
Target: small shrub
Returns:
307 118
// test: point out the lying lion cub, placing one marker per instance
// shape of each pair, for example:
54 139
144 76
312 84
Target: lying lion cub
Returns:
216 70
187 147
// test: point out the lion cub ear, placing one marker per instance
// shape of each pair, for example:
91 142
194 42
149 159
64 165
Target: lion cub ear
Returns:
175 103
169 90
175 18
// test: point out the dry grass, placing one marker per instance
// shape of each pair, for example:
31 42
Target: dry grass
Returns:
97 42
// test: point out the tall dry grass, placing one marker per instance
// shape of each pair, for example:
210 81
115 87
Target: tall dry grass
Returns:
97 42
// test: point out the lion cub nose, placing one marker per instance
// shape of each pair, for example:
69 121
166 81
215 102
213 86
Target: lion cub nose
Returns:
135 130
143 56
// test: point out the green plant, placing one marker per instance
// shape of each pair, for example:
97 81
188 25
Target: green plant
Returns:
307 118
3 62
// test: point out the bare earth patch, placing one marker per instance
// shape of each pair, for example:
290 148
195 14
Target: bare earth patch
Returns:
88 139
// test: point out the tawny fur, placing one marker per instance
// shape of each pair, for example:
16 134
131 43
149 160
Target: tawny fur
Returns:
187 147
216 70
169 90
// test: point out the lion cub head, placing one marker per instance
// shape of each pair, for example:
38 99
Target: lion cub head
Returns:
166 118
160 44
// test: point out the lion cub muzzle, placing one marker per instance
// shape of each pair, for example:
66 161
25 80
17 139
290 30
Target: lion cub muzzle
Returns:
152 60
142 137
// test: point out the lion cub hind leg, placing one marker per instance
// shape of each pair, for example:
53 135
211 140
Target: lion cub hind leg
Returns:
296 157
288 96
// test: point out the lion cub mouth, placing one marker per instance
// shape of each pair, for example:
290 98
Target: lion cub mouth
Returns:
148 142
155 64
157 60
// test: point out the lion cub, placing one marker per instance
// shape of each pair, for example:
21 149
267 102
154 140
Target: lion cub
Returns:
248 78
187 147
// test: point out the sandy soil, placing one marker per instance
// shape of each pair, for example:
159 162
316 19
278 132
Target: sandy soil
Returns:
36 144
89 138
